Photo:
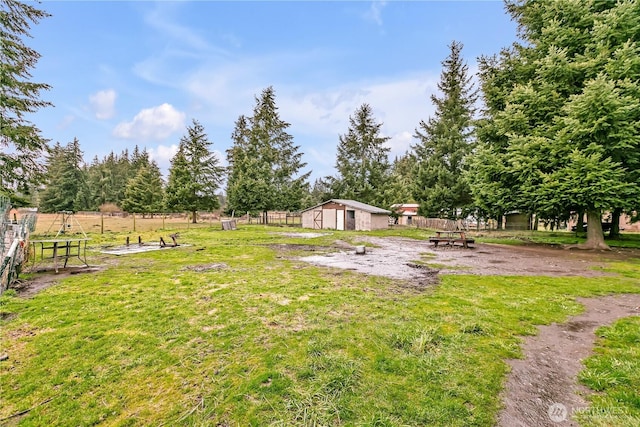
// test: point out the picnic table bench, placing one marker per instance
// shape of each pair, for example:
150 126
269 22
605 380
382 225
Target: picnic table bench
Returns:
451 238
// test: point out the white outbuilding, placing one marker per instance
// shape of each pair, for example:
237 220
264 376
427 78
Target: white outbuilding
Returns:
341 214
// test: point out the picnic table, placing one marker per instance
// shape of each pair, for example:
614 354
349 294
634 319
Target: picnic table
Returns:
451 237
61 249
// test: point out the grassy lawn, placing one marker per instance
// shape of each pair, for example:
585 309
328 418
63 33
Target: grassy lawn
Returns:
260 339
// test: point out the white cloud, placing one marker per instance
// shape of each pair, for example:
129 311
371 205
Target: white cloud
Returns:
399 103
375 11
152 123
163 154
103 104
161 19
318 118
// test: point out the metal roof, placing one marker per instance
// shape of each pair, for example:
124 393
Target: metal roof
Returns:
354 204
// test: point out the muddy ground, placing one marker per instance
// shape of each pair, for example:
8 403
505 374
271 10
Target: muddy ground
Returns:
397 258
541 389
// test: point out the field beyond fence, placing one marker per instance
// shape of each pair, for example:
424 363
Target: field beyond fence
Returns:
94 222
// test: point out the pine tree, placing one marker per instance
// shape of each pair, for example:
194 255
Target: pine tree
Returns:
264 162
22 148
195 174
362 161
444 143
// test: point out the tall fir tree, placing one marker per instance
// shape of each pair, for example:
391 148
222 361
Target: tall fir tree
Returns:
22 148
444 142
195 174
144 193
362 161
247 186
65 179
264 163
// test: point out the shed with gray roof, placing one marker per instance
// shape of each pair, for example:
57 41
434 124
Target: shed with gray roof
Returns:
342 214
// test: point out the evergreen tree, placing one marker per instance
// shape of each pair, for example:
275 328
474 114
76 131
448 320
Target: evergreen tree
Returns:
83 200
264 162
247 184
444 143
144 193
97 184
65 179
320 192
401 180
195 174
362 161
22 148
562 113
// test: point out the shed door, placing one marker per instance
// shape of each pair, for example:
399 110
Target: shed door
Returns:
351 220
317 219
339 220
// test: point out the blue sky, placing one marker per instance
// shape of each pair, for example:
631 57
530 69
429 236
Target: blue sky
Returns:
136 73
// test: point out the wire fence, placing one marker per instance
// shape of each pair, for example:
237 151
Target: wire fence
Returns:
14 233
293 219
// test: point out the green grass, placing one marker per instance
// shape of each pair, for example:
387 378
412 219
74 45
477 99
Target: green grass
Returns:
614 374
626 240
269 340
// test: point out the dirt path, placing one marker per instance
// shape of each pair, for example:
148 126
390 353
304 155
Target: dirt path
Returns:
542 388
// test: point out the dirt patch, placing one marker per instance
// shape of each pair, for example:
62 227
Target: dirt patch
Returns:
289 247
393 257
303 235
542 388
47 278
206 267
388 258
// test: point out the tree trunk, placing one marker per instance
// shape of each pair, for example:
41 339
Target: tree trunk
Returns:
194 215
266 217
615 223
595 236
580 223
